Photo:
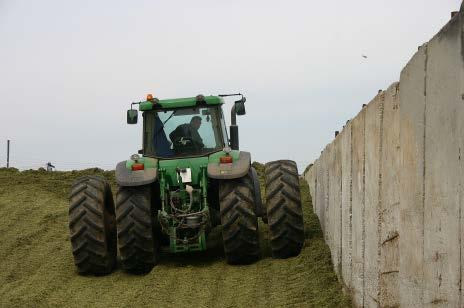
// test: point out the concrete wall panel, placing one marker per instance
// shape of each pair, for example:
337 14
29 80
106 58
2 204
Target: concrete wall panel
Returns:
442 168
311 179
327 206
323 197
411 229
460 128
389 200
330 200
314 197
320 192
335 201
346 249
373 143
358 222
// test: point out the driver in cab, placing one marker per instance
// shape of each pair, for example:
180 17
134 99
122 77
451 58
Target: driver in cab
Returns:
188 132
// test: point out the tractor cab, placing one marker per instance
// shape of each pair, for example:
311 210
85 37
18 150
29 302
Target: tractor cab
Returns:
186 127
181 132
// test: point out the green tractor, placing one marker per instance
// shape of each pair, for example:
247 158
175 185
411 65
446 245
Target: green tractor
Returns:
189 177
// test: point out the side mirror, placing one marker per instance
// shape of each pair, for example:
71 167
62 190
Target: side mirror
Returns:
132 116
240 106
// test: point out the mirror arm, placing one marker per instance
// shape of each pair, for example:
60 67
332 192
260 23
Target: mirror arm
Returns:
132 105
233 116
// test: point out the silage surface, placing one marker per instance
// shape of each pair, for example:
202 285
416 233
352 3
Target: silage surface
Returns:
37 270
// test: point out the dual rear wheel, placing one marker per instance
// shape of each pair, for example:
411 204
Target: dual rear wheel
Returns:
92 226
283 214
93 220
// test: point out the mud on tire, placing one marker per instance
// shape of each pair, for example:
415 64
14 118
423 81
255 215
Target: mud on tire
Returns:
239 222
92 226
138 244
284 213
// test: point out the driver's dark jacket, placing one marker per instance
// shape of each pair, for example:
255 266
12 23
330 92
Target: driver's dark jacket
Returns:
187 131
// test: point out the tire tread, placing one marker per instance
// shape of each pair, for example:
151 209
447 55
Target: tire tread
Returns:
284 212
91 226
138 244
239 221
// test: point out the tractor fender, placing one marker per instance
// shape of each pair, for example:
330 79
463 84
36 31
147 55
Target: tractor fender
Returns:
237 169
126 177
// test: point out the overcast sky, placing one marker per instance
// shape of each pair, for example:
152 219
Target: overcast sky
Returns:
70 69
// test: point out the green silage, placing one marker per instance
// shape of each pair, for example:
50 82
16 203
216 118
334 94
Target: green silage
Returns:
37 270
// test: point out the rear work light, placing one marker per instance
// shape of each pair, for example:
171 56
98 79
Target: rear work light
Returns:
226 159
137 166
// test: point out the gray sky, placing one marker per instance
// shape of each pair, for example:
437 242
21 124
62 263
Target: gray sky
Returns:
69 69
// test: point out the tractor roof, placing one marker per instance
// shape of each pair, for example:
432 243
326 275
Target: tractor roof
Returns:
180 102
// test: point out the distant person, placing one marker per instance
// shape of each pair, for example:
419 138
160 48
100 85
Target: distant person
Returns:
189 133
50 166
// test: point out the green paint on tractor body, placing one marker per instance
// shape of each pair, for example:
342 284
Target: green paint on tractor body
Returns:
184 215
186 233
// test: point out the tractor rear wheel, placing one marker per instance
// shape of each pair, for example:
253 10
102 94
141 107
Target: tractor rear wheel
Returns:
138 244
239 221
92 226
284 212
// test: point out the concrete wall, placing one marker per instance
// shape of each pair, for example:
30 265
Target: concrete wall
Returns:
389 189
